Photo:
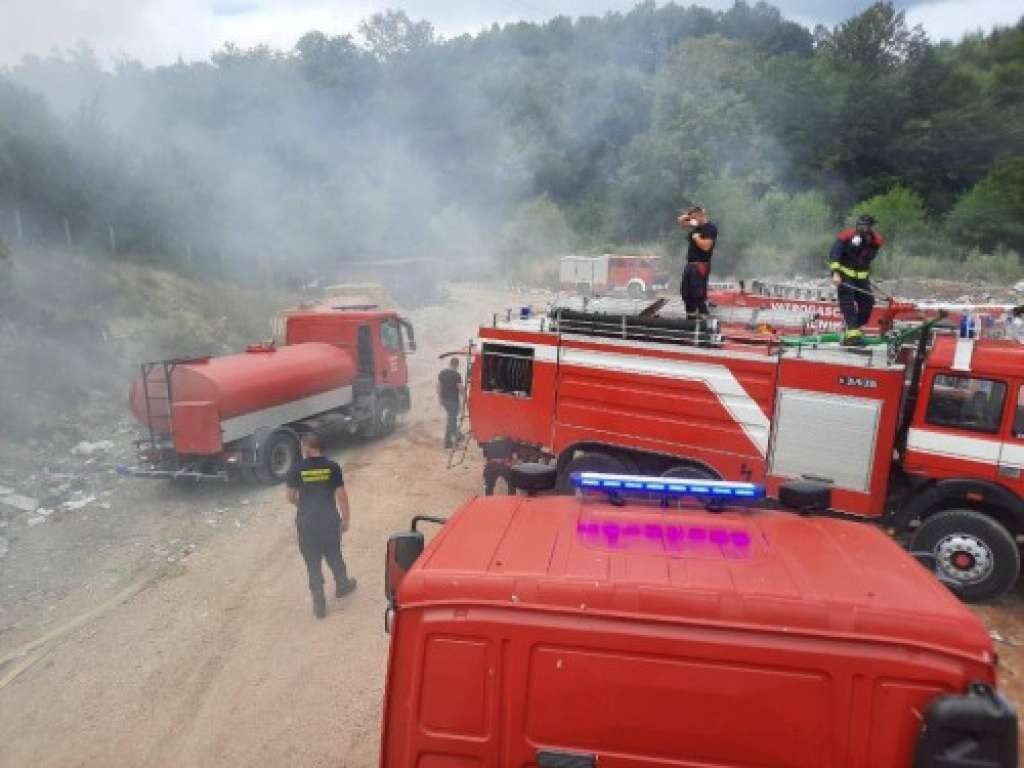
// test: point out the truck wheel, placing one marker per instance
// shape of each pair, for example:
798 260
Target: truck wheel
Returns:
385 418
588 462
973 553
277 457
686 472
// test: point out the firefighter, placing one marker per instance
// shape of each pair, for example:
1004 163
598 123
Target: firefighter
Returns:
850 262
701 239
316 487
449 392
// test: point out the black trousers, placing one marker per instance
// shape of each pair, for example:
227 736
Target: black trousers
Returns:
318 544
694 288
856 305
451 431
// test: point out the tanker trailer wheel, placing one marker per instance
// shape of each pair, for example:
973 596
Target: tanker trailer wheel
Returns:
588 462
277 457
974 553
688 472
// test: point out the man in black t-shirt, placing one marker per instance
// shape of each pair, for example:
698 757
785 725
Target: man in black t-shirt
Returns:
701 237
316 487
449 392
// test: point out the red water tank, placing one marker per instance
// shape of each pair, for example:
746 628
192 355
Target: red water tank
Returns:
240 392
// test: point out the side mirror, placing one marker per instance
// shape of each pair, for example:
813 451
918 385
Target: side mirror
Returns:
412 345
403 550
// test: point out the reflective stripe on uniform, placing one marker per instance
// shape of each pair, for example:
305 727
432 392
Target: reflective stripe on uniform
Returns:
851 273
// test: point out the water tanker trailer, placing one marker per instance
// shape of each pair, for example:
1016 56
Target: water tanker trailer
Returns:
242 414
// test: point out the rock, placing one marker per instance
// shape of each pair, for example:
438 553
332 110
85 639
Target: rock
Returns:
4 546
76 504
85 448
20 503
1019 286
44 512
34 521
4 490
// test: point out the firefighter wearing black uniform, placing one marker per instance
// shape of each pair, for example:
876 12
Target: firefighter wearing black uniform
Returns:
317 488
850 262
701 237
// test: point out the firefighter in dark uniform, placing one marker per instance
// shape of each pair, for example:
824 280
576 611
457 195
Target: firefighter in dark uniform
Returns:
449 392
701 237
316 487
850 262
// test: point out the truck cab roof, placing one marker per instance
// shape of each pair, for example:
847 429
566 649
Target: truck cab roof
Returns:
765 570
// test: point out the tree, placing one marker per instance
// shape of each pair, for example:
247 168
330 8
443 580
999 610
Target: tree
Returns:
992 213
393 33
900 213
877 39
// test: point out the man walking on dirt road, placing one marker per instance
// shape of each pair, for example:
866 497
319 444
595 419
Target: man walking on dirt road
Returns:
702 237
316 487
449 392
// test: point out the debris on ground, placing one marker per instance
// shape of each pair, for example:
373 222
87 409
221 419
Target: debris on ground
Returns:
85 448
21 503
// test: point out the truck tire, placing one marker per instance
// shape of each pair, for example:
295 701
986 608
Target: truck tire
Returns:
588 462
974 553
385 418
277 457
689 472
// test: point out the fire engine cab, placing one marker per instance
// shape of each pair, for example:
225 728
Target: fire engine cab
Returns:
927 440
562 632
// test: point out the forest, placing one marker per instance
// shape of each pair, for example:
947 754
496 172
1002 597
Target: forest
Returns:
506 148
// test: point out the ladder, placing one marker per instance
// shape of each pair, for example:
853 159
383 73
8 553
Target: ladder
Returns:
158 395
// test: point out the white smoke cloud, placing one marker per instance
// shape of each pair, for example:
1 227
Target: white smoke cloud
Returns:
159 31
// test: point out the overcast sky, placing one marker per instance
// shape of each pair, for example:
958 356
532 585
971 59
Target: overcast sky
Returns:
159 31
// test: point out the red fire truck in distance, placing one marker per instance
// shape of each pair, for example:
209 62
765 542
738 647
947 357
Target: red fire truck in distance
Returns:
935 448
634 275
556 632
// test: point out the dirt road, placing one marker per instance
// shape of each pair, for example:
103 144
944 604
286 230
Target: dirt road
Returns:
218 660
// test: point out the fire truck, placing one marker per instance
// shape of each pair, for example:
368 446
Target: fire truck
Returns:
926 439
241 415
642 629
635 275
818 305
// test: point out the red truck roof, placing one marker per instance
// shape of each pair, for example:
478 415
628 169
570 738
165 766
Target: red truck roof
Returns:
768 570
995 357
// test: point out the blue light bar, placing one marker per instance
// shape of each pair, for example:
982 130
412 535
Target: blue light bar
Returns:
666 486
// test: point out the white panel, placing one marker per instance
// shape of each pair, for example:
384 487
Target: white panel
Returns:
955 446
825 436
248 423
962 354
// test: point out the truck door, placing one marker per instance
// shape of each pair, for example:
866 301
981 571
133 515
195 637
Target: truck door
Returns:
959 434
365 352
391 367
1011 455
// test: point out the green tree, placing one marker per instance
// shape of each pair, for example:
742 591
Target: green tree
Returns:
992 213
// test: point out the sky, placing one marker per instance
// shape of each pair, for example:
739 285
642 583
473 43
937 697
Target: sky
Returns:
161 31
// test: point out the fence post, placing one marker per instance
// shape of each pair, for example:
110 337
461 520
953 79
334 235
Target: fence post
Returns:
113 240
17 226
67 231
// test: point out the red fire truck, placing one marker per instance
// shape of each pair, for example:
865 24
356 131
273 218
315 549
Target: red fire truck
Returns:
241 415
559 632
818 302
932 446
635 275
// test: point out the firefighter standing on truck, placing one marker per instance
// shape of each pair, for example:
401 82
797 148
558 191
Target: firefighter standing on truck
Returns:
701 238
317 488
850 262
